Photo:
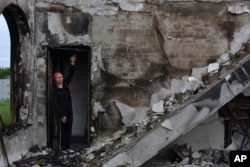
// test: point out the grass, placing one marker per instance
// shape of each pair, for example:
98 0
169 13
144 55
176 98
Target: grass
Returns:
5 111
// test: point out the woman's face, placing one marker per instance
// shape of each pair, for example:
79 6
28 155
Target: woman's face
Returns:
59 79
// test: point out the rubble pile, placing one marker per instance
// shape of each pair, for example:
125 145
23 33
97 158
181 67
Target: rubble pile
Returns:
178 156
46 157
201 158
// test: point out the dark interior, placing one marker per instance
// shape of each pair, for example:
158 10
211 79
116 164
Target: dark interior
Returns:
59 60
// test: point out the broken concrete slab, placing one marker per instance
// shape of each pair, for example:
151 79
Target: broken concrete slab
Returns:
130 115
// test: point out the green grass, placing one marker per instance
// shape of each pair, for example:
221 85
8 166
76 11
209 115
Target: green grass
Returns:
5 111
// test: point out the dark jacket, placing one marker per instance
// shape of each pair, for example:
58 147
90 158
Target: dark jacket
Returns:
62 102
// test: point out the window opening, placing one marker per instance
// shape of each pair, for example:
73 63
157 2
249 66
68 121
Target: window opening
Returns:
17 25
4 72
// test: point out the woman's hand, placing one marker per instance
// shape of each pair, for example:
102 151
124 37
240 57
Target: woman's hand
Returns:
73 59
64 119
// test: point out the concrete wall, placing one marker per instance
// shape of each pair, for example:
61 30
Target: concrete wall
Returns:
137 47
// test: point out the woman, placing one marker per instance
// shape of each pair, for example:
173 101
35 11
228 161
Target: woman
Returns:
62 104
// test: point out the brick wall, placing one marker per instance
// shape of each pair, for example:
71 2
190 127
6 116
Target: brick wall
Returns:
137 54
193 42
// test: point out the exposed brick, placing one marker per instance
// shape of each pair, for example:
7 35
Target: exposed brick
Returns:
125 74
134 50
118 70
118 65
148 31
141 36
132 69
146 50
138 31
132 64
124 30
121 50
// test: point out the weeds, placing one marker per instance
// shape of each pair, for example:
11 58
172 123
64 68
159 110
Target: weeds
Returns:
5 111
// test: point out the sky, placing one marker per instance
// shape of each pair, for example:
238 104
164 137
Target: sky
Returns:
4 43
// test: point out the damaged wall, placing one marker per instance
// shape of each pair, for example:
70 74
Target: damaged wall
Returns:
142 54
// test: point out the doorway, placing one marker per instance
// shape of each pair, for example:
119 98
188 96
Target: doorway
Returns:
59 60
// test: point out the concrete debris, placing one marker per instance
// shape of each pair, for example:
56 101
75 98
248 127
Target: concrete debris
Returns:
133 5
47 158
172 104
97 108
185 120
241 37
187 84
213 67
196 155
177 85
167 124
238 142
238 9
176 157
130 115
199 72
192 84
161 95
158 107
224 59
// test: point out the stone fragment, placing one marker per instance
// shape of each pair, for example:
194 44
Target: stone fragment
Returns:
161 95
158 107
167 124
191 84
196 155
176 85
199 72
133 5
238 9
97 108
223 59
213 67
130 115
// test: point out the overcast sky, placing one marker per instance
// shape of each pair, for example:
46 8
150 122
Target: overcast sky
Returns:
4 43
